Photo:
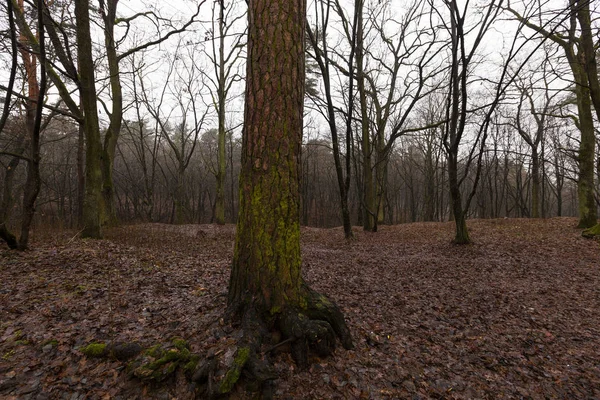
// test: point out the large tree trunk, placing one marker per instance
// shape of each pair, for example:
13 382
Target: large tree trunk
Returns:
585 157
266 289
591 68
92 203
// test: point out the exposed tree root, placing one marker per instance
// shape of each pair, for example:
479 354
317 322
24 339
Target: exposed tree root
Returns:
310 327
8 237
592 232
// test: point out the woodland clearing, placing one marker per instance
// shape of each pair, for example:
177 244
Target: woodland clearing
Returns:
513 315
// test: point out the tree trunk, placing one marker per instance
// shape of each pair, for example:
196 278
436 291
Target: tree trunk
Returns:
368 198
179 203
535 186
591 69
116 116
585 158
266 289
92 203
462 233
7 197
589 53
221 161
80 174
33 120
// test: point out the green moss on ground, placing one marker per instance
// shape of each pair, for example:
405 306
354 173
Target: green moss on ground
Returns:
159 362
95 349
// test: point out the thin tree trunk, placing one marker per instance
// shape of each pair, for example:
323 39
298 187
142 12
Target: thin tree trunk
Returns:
221 160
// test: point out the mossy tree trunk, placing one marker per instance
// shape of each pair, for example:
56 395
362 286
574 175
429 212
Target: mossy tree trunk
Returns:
590 66
587 144
92 202
266 289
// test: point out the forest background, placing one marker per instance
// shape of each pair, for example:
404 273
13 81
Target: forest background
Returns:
487 111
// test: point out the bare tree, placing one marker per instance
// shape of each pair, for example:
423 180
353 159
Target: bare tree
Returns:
184 86
226 52
567 38
533 135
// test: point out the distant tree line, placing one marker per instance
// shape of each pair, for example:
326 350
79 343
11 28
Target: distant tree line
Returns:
412 115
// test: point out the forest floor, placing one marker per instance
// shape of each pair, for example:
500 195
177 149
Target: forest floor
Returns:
514 315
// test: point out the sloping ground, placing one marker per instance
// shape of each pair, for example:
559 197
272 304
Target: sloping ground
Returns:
515 315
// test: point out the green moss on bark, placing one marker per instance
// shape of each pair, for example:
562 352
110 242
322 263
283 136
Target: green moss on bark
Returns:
592 232
233 375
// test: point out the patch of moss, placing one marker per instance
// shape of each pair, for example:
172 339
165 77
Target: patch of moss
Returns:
275 310
157 362
80 289
233 375
154 351
322 302
169 368
191 365
8 355
94 349
180 344
51 342
17 335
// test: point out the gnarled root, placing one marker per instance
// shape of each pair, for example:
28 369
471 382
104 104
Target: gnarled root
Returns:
320 307
592 232
313 326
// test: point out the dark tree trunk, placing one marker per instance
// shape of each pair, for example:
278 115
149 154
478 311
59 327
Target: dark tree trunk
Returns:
458 212
33 121
221 93
80 174
116 116
92 203
535 183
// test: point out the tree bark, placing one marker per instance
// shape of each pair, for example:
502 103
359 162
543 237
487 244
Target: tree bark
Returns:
266 289
368 193
92 203
114 128
587 144
221 161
